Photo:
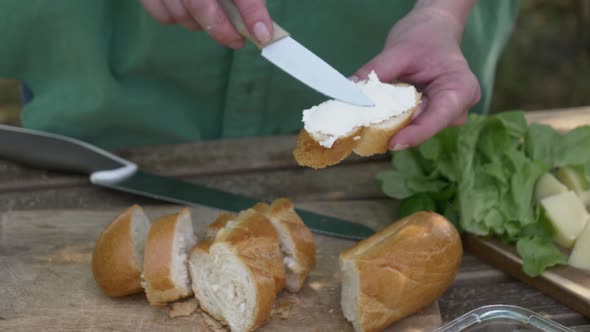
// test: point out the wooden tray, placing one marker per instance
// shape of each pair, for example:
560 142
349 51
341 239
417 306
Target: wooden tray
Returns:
566 284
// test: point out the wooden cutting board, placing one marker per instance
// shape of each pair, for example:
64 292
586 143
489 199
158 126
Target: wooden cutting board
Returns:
46 282
566 284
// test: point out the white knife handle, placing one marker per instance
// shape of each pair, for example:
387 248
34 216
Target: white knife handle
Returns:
56 152
234 16
114 175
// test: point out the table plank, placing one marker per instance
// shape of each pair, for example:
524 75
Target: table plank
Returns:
190 160
231 156
346 182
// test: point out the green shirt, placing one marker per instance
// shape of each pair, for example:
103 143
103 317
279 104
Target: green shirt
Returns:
107 73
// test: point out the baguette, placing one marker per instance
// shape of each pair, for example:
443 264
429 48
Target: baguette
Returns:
219 223
334 130
399 270
296 241
117 258
165 260
237 274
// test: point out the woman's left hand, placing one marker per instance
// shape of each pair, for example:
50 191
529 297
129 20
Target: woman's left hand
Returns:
423 49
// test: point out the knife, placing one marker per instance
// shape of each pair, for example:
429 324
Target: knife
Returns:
61 153
299 62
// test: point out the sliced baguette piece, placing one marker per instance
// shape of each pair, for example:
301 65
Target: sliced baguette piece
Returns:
165 268
234 274
117 259
399 270
296 241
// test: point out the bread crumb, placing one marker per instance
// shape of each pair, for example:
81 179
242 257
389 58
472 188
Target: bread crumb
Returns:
185 308
318 285
284 306
68 255
210 324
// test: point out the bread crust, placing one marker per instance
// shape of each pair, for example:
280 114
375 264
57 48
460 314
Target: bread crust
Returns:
308 152
219 223
159 286
256 241
115 266
375 139
402 269
286 221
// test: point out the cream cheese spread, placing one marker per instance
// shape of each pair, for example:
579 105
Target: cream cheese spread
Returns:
334 119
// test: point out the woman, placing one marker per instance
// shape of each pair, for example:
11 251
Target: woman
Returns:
108 73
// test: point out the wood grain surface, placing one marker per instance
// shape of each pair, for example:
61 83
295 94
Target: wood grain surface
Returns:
47 281
258 167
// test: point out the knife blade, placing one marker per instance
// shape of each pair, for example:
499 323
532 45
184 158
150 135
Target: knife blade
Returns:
61 153
299 62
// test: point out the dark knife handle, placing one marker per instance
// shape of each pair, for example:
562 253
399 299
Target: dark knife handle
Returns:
56 152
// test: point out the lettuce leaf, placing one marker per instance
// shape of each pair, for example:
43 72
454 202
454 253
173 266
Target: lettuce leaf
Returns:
482 175
537 255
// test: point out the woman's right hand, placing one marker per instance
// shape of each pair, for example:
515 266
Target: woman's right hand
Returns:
208 15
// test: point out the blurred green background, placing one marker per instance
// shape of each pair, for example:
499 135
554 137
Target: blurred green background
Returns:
546 64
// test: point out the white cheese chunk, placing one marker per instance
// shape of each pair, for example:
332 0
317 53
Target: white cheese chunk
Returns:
548 185
567 215
580 256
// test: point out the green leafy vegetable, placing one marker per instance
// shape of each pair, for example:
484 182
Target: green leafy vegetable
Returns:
537 255
415 203
393 184
482 175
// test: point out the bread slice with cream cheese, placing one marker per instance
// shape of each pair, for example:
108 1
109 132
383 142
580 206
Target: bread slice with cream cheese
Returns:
334 129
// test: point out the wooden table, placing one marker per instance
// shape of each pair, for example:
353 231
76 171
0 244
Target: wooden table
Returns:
264 168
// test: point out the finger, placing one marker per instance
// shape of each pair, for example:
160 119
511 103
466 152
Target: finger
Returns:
420 108
460 120
256 17
181 14
210 15
158 11
388 65
448 98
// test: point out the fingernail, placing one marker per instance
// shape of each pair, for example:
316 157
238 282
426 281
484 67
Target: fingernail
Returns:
261 32
354 78
399 147
237 44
